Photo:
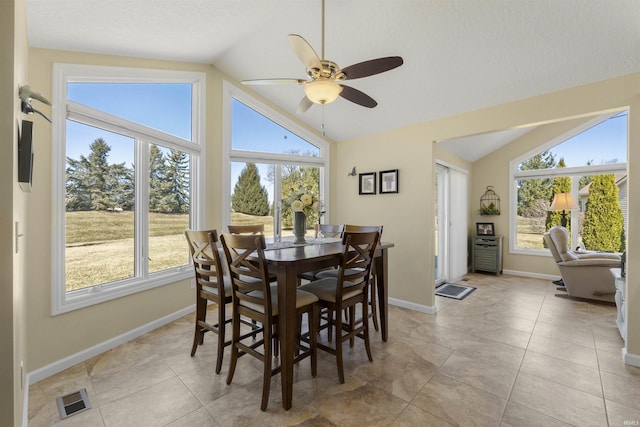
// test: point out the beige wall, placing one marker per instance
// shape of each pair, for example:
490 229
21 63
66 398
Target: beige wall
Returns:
407 217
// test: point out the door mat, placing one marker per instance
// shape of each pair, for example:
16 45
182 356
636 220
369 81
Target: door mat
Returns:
450 290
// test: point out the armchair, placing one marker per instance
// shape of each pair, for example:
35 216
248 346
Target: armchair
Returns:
585 274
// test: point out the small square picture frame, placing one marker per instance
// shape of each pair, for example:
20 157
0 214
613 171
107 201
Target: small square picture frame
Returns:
389 181
485 229
367 183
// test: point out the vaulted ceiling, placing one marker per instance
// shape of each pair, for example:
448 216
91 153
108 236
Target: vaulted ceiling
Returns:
458 55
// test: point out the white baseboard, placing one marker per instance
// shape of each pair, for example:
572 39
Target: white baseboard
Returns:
530 274
629 358
412 306
62 364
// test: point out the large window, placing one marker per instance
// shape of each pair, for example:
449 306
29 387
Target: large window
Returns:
270 158
125 166
590 165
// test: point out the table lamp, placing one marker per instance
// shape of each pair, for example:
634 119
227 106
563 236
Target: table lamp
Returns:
563 202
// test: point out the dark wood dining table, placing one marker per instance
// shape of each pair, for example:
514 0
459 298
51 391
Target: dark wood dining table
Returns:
287 263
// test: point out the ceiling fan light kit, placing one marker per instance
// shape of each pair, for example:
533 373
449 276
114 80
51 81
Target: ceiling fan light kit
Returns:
322 85
322 91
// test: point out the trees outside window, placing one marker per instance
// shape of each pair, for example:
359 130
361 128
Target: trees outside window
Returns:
537 177
269 158
124 179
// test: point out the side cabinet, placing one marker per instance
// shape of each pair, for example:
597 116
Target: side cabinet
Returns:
487 254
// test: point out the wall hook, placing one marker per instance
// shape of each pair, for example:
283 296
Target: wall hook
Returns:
353 172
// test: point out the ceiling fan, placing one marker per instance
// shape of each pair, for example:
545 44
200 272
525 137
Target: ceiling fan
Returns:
324 82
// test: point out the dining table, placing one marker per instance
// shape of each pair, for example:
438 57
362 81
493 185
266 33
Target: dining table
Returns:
287 262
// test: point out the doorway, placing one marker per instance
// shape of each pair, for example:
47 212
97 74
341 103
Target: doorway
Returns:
451 218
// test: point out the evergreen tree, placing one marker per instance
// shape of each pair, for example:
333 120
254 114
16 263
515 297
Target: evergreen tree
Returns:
249 195
560 185
175 195
532 191
603 220
157 178
87 179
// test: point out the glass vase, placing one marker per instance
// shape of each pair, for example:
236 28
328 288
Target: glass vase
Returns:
299 227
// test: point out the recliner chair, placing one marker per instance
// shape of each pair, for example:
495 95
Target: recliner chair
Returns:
585 274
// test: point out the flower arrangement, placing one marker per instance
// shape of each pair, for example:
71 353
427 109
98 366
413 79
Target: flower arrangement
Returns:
302 201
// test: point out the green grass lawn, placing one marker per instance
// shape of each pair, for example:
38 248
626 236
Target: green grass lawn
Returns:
100 249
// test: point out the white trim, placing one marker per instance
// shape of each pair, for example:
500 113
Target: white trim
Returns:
530 274
413 306
630 358
61 300
86 354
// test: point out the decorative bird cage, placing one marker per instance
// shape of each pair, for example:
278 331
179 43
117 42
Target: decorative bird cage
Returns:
489 202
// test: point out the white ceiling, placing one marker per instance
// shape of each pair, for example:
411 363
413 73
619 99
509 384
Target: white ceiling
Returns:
458 55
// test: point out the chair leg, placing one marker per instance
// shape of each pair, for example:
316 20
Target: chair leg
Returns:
374 306
314 325
222 327
339 363
352 323
201 316
266 375
365 332
329 329
234 346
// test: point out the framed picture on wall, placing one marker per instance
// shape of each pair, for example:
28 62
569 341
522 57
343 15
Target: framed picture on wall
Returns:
367 183
389 181
485 229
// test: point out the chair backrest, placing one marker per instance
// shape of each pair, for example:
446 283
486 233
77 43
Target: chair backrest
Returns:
559 237
246 229
248 269
329 230
206 259
363 228
357 259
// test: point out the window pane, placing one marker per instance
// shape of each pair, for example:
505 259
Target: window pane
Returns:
297 179
533 202
169 207
170 103
99 207
602 218
251 131
252 194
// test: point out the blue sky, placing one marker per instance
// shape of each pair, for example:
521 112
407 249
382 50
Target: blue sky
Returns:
602 143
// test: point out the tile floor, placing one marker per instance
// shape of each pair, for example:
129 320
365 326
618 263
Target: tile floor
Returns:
510 354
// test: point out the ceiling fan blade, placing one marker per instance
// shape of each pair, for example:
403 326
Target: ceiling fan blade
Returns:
357 97
304 105
305 52
371 67
273 82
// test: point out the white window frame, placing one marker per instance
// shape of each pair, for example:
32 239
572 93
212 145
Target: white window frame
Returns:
229 155
515 175
61 300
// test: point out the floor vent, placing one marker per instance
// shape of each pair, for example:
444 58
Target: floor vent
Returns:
73 403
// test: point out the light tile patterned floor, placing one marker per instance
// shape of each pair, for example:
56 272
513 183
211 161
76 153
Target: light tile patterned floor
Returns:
510 354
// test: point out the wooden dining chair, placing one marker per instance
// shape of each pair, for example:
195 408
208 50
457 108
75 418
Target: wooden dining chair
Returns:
210 286
246 229
345 292
373 300
255 298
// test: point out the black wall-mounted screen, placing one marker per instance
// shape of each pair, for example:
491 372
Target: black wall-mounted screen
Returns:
25 155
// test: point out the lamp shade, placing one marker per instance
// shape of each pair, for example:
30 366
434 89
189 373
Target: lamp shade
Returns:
322 91
563 202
